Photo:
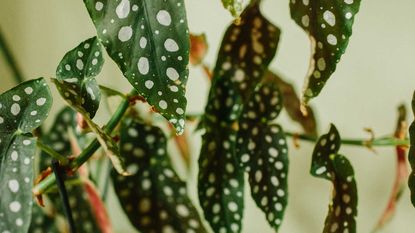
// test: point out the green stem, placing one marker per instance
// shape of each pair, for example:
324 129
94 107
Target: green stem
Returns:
49 181
62 159
383 141
17 74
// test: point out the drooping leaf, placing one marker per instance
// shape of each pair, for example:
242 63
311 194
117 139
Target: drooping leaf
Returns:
246 51
262 151
328 164
292 105
220 181
401 170
59 138
329 26
107 143
154 198
78 69
411 155
235 7
22 109
149 41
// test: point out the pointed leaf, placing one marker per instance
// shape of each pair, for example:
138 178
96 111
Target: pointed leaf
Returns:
22 109
77 70
220 181
246 51
328 164
292 104
154 198
149 41
329 26
262 151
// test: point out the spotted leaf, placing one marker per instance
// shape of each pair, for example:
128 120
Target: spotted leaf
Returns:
329 26
149 40
22 109
107 143
78 69
411 155
292 104
154 197
246 51
220 181
262 151
328 164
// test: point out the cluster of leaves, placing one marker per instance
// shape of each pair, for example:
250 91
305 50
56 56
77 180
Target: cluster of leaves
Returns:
150 42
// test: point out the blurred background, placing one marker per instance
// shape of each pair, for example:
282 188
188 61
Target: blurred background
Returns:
374 76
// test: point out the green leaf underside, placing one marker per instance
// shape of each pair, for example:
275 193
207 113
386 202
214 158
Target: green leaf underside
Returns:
411 155
262 151
79 68
328 164
59 138
107 143
329 26
235 7
22 109
220 181
149 41
154 197
246 51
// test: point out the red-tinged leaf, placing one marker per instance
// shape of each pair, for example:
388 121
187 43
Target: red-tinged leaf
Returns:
198 48
401 171
98 207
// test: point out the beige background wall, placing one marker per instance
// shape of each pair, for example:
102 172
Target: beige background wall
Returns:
376 74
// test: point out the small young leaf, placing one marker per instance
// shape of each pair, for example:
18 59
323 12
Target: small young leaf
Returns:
220 181
149 40
22 109
246 51
328 164
262 151
329 26
292 104
77 71
235 7
154 197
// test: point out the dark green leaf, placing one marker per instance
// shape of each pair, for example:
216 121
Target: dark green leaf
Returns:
262 151
107 143
22 109
411 155
154 197
246 51
292 105
149 40
221 182
329 26
328 164
77 70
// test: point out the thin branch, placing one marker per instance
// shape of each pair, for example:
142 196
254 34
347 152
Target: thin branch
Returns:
62 159
64 195
11 61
